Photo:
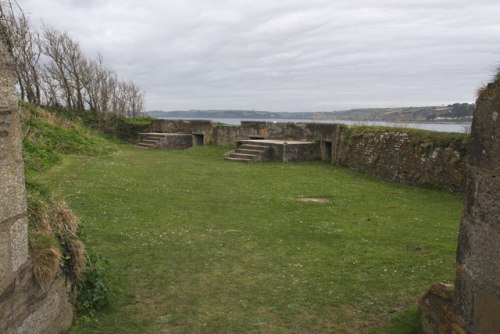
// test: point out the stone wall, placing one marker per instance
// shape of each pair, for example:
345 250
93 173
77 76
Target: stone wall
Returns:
477 287
24 306
407 156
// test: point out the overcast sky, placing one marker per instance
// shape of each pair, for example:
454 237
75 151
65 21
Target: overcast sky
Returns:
287 55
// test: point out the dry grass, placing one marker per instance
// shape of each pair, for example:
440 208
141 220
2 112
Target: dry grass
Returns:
45 256
78 259
49 117
63 218
54 244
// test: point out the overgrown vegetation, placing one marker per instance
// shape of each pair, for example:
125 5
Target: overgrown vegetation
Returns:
201 245
492 88
54 242
93 291
47 135
119 127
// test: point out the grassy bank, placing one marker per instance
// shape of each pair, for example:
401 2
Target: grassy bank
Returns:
196 244
53 238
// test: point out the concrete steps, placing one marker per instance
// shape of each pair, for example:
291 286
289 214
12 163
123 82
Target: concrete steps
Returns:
149 140
144 145
248 152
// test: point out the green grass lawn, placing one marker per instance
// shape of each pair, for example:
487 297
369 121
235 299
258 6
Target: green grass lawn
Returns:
197 244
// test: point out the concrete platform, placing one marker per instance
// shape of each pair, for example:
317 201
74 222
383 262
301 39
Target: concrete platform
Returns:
277 150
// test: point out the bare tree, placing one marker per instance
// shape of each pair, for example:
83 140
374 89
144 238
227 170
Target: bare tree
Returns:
56 69
25 48
52 68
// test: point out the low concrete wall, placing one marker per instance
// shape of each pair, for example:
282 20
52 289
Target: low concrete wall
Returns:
295 152
409 156
292 131
176 140
225 135
184 126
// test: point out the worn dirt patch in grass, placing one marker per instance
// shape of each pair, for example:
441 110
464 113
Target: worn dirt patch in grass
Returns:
321 200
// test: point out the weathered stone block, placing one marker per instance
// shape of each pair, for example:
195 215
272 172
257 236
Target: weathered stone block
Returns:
26 308
5 268
485 135
13 248
464 296
12 192
481 255
8 97
52 316
18 243
10 137
487 315
482 200
435 311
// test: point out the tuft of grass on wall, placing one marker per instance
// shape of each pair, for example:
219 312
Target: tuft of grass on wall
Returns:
52 237
492 89
45 255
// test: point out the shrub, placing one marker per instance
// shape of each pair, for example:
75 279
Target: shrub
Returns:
93 291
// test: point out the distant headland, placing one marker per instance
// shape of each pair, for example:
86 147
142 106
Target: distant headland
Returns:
457 112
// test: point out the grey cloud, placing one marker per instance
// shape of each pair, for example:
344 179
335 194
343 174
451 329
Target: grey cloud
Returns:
292 55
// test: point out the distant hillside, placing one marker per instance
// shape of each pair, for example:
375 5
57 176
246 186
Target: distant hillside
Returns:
243 114
458 112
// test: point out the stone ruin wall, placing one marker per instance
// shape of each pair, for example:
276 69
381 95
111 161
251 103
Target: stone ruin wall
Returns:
24 306
476 299
397 155
390 154
472 305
